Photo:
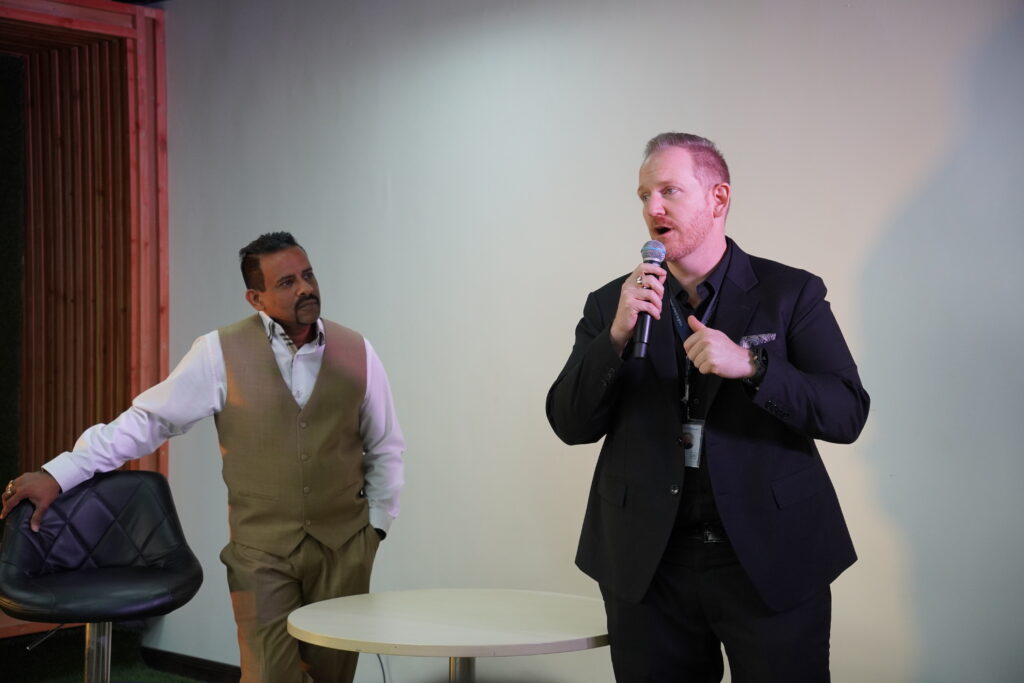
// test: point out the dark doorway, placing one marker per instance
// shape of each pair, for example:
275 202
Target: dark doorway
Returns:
12 191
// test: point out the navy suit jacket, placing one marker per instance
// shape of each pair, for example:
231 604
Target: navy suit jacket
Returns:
773 493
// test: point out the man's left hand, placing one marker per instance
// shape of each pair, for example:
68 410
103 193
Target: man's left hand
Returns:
712 352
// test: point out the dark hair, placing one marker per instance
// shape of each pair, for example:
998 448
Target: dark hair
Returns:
249 255
710 164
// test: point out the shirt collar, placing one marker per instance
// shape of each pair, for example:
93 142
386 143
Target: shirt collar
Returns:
273 329
711 284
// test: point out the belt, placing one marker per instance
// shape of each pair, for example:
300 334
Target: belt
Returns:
706 533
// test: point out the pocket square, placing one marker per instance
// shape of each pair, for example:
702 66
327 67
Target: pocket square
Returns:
752 340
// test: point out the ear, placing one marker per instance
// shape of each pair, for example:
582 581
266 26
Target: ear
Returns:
253 297
720 196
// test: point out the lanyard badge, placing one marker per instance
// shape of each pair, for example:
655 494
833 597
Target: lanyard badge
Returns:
693 438
693 428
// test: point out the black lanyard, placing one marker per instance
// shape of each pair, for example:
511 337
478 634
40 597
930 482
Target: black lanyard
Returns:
683 331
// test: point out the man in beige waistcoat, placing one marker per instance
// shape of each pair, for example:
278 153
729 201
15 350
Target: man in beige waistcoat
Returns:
312 457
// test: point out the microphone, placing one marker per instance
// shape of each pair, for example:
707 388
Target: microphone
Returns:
652 252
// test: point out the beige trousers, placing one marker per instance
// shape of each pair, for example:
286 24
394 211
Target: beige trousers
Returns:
265 588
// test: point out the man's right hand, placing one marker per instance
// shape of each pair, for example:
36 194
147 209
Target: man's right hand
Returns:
39 487
641 293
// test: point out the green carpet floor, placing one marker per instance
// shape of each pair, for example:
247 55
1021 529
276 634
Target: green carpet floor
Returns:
60 659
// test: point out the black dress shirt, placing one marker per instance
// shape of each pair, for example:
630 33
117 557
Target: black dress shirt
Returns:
697 506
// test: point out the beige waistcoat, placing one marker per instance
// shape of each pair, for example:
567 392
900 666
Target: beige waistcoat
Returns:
291 471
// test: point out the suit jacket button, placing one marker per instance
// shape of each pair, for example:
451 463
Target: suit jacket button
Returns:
674 489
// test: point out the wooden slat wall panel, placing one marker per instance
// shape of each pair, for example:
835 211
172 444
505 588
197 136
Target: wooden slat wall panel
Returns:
125 205
77 327
95 307
32 305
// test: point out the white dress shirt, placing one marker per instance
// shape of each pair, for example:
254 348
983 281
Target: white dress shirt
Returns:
197 388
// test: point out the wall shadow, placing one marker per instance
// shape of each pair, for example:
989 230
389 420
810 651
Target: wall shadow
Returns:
945 367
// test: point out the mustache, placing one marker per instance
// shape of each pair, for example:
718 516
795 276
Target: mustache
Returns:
305 299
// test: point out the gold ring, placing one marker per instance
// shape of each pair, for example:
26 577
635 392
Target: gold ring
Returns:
640 280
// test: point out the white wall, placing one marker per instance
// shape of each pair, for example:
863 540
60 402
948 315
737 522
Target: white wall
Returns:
463 173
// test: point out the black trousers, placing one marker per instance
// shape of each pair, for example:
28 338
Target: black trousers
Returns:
700 600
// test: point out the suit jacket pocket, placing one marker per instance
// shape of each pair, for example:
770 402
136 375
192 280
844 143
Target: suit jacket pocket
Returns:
798 487
612 489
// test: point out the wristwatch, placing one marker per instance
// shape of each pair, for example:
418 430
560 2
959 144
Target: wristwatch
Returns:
760 358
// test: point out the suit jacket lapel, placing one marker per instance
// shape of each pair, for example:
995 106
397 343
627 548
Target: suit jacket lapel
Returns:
735 307
733 311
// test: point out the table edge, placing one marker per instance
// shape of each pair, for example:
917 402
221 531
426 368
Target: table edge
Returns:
419 650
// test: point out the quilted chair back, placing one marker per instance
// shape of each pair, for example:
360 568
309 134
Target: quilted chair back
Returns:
109 549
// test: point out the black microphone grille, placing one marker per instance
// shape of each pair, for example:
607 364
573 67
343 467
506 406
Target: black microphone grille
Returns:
653 252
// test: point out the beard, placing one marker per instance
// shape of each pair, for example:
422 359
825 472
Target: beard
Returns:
307 310
687 237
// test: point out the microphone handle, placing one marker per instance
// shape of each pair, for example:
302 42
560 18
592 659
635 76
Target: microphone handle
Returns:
642 331
642 335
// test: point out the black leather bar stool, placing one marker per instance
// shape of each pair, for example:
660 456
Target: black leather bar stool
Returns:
108 550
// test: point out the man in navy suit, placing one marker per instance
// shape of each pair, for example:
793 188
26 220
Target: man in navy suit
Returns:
711 519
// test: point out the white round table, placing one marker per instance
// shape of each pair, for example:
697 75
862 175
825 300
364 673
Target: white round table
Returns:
459 623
